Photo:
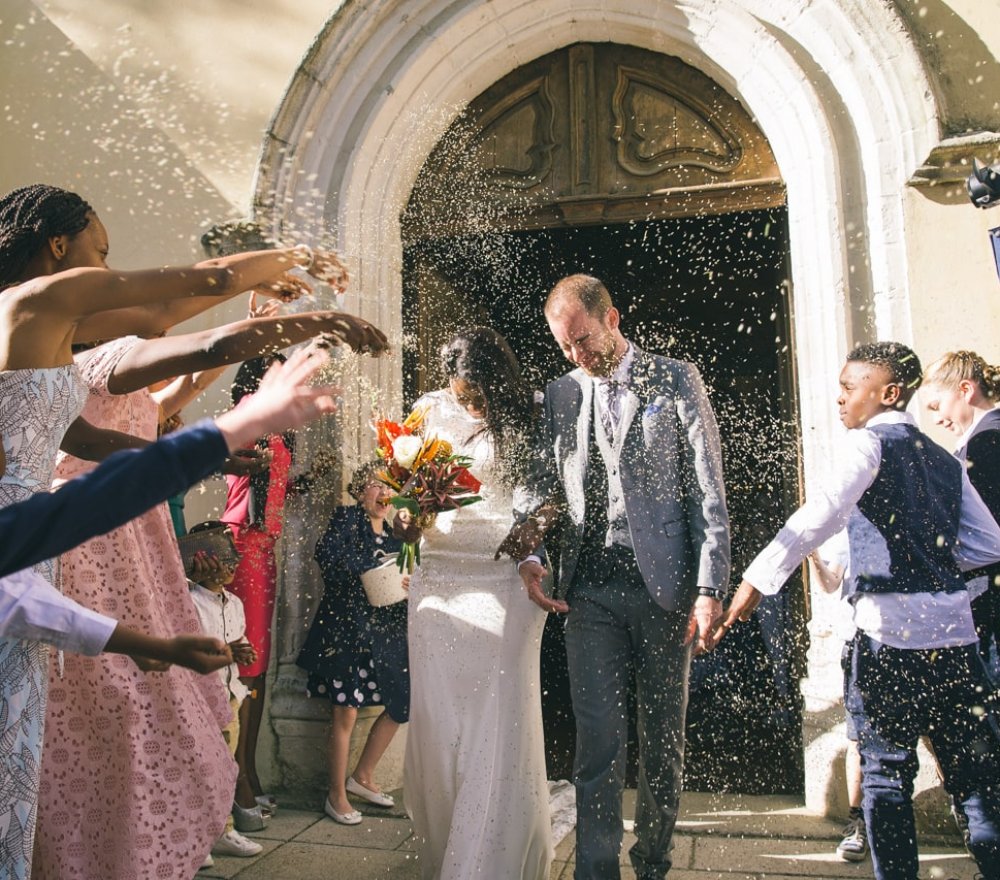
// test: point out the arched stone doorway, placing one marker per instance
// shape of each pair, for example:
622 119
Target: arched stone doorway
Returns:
636 167
837 87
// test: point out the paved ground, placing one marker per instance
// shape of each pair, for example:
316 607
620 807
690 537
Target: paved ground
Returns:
719 836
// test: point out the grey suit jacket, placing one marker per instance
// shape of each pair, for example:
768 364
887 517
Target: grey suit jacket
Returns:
668 453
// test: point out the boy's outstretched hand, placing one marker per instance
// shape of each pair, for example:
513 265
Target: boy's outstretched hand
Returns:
747 598
201 653
243 652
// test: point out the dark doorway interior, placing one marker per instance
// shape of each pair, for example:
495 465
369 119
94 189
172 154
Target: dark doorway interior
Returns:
711 290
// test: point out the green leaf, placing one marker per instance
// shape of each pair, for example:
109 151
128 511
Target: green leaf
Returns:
408 504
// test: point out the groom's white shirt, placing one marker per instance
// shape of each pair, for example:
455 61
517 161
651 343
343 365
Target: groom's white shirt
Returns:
610 390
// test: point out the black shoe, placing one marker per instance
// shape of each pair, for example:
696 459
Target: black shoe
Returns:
854 846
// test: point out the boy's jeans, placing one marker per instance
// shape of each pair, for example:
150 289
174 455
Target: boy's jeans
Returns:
944 693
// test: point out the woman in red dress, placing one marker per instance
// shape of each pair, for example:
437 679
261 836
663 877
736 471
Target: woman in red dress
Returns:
254 512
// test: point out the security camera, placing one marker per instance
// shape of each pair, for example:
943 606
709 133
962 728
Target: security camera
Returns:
984 184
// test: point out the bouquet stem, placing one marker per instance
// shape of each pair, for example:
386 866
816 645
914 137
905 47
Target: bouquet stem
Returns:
408 557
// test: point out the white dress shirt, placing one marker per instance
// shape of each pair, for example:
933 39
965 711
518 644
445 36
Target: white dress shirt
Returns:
222 616
901 620
32 609
610 392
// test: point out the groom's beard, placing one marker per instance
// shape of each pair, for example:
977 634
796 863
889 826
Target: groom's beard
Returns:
603 362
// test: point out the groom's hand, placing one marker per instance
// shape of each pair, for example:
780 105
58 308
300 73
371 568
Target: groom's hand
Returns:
520 542
532 573
747 598
705 617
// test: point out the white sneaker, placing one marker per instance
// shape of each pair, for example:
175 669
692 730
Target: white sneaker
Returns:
232 843
208 863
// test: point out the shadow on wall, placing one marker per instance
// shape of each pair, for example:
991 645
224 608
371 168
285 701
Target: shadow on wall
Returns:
966 71
67 124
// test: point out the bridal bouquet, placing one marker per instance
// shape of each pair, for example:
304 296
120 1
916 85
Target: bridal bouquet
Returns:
425 473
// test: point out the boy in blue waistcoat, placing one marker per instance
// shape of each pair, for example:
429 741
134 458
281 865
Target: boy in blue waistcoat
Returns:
914 523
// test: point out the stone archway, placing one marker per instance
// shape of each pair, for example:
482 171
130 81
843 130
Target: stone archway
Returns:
836 87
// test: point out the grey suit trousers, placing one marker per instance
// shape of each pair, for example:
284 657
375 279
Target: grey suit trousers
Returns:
614 626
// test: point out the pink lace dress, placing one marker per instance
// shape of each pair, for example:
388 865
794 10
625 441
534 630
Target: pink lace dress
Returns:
137 780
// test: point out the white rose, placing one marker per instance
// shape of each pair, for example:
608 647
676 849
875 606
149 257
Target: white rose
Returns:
405 449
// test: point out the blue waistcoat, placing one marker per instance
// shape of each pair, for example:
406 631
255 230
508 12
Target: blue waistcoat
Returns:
905 526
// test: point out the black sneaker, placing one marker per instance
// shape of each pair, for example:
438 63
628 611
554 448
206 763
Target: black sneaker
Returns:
854 846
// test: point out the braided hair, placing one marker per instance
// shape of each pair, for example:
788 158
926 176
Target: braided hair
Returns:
958 366
29 217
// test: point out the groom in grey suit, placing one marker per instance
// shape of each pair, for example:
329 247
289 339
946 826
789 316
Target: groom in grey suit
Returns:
628 459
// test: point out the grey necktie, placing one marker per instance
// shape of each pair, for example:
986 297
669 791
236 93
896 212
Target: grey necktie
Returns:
611 396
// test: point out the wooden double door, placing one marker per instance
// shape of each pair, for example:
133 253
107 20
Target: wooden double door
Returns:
636 168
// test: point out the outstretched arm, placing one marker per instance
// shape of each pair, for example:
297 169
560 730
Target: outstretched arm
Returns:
153 360
32 609
201 653
127 484
86 291
265 272
90 443
179 392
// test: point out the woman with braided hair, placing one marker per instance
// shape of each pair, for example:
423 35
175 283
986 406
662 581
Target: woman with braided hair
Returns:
56 289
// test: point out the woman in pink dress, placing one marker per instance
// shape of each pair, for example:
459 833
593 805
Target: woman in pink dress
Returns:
139 781
56 288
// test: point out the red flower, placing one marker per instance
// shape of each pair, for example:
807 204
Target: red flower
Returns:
464 478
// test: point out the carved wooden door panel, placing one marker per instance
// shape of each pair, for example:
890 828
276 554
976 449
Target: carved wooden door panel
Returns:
594 133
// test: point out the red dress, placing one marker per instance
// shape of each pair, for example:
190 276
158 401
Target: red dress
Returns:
256 580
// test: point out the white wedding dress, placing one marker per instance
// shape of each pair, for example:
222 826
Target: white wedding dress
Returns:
474 778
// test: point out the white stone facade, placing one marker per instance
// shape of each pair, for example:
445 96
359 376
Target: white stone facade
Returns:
854 96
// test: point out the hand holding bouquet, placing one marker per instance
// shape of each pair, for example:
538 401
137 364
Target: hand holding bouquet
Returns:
425 473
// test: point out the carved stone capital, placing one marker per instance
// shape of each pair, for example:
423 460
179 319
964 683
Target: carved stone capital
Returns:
950 162
235 237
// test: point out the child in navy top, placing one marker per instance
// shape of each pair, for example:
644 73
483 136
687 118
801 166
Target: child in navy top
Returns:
915 668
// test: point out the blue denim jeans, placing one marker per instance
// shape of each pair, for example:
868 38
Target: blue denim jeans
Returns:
899 695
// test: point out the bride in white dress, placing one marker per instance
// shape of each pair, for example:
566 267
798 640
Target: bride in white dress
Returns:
474 779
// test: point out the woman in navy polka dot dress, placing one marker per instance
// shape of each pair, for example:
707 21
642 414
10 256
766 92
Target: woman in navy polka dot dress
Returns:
356 654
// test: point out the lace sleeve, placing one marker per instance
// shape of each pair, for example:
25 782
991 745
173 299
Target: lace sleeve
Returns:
97 364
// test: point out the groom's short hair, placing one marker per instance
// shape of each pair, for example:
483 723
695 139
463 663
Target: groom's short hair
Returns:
587 290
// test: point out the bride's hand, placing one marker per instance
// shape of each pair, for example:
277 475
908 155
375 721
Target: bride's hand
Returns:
525 537
532 574
405 529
